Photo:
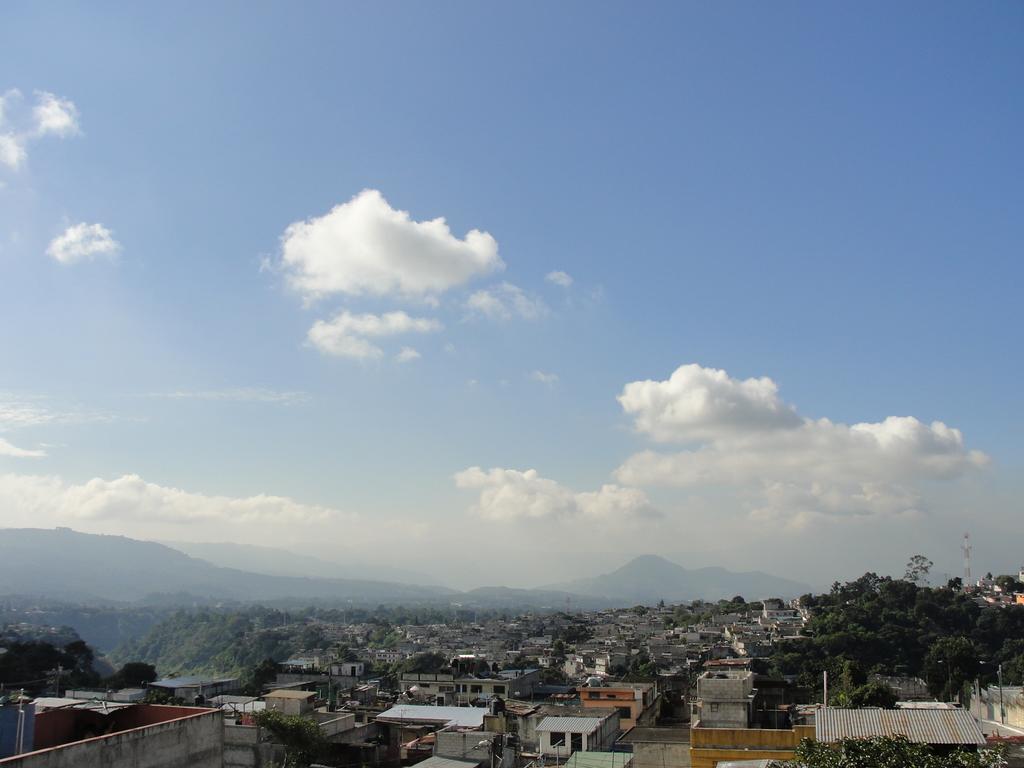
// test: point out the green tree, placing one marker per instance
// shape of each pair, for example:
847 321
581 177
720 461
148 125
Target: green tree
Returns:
886 752
552 676
888 626
133 674
346 654
918 568
1009 584
258 676
424 662
950 665
301 737
873 694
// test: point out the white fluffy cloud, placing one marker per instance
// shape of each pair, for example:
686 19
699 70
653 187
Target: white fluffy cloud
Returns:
697 403
13 451
347 334
50 116
558 277
791 468
12 151
542 377
509 494
505 301
366 247
81 242
132 499
54 116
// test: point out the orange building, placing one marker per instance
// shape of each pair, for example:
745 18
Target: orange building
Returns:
634 701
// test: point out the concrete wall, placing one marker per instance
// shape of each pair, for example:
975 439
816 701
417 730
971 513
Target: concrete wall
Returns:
288 705
462 745
725 686
654 755
333 725
243 748
986 706
196 741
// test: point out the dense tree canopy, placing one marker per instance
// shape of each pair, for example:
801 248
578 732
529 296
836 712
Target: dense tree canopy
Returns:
897 627
886 752
134 674
33 665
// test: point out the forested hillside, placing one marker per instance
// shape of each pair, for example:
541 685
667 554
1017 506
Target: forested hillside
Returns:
892 626
220 642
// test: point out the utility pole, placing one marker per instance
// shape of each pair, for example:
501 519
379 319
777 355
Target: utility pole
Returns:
966 548
1002 709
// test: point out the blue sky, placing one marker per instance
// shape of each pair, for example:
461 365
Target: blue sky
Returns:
824 195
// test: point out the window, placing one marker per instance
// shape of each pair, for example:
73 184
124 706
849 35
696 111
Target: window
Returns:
625 713
499 689
577 742
557 739
476 689
610 696
714 707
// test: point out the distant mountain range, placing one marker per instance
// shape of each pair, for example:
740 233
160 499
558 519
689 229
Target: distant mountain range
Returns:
68 565
274 561
86 568
649 578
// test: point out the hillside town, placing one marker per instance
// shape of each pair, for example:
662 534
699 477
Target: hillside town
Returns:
641 687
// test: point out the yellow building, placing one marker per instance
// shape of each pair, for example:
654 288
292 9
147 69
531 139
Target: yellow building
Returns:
709 746
722 718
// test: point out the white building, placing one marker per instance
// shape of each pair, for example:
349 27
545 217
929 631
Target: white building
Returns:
559 737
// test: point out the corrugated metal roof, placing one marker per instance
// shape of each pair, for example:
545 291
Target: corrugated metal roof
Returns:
599 760
470 717
191 681
570 724
281 693
925 726
448 762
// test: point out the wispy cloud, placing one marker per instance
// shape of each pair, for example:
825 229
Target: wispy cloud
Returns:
20 411
7 449
407 355
237 395
505 301
558 277
544 377
49 116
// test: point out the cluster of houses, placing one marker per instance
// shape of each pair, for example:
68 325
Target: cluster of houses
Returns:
989 591
613 639
634 688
